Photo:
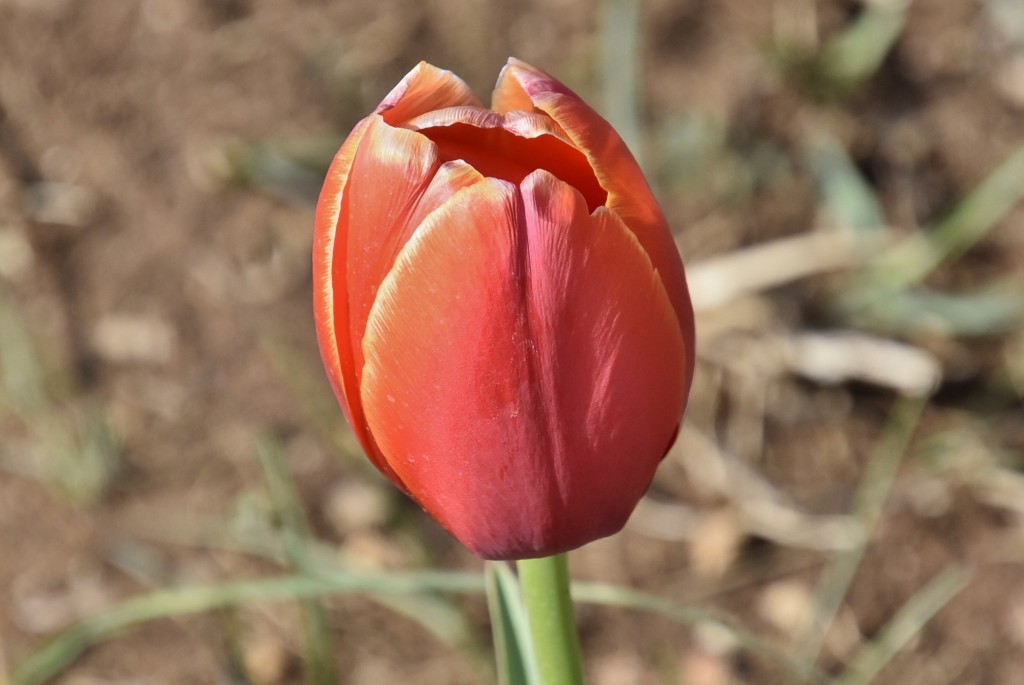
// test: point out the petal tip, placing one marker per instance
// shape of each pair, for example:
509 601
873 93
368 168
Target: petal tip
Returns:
423 89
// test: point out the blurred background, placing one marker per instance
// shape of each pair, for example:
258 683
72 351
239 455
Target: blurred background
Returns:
843 177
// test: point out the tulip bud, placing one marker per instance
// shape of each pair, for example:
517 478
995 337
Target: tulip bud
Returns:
501 310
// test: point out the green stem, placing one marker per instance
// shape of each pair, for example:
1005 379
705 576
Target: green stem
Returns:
545 585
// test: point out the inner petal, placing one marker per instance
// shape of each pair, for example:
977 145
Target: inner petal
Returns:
509 147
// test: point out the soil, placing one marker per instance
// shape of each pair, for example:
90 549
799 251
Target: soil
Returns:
156 248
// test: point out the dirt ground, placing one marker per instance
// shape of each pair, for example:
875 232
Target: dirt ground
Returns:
158 160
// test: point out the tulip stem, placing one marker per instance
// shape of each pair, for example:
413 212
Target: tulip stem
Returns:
545 585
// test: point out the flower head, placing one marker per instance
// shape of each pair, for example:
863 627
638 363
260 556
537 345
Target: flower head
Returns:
501 310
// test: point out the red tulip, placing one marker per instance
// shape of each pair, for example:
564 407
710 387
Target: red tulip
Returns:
501 310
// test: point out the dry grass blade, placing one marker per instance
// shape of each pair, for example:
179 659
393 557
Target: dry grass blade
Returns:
1000 487
839 356
611 595
765 510
716 282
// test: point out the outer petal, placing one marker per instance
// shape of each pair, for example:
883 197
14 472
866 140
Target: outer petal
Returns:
425 89
324 235
521 86
392 179
452 177
524 369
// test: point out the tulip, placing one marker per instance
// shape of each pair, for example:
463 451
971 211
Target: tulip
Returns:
501 310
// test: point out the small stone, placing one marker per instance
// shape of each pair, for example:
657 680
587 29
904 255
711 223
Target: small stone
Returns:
353 506
716 543
701 668
1009 79
618 668
1015 620
54 202
787 605
131 338
266 660
16 255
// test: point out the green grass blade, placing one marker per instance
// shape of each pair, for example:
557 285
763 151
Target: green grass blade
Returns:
23 376
978 213
305 378
435 614
287 505
843 190
868 507
994 310
855 55
72 447
513 646
620 70
289 168
69 644
869 661
316 623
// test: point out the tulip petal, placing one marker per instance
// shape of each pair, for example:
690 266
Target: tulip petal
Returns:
391 171
509 147
532 124
524 87
524 368
328 304
383 182
522 124
425 89
509 95
471 116
450 178
435 385
609 349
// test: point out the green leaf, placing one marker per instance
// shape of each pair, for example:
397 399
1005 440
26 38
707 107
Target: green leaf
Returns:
855 55
869 661
843 190
985 312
